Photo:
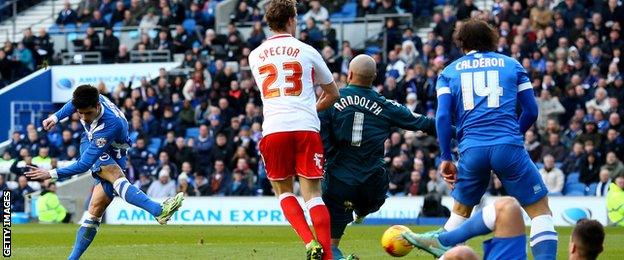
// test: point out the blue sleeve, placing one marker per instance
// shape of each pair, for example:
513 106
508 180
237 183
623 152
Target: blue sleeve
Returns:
67 110
529 110
526 98
98 145
443 126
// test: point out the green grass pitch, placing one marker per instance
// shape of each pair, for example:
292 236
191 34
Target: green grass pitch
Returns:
37 241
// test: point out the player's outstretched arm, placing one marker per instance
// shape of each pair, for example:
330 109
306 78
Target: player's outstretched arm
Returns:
402 117
97 146
444 128
529 109
328 97
67 110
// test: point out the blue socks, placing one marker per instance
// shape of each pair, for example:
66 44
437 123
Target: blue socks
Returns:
336 252
85 236
136 197
543 238
480 223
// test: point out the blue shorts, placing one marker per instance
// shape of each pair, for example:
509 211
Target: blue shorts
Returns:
513 248
119 158
512 165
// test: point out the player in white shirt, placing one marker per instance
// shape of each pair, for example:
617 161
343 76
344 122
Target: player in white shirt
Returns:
286 70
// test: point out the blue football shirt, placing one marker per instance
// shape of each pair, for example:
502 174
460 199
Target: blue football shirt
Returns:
484 88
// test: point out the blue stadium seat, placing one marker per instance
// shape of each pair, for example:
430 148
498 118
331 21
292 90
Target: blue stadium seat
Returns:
573 178
54 29
133 136
70 27
108 17
575 189
134 34
370 50
349 10
336 16
152 33
154 145
591 189
71 36
558 165
189 25
117 25
84 26
539 165
192 132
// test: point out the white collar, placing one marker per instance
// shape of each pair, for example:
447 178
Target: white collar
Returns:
94 124
471 52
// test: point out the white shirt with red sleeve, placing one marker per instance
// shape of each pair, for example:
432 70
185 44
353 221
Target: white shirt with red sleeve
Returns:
286 70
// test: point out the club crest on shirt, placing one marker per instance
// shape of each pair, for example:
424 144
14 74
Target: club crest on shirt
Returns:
100 142
104 157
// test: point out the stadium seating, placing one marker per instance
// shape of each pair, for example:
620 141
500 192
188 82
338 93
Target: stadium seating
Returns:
154 145
591 189
573 178
576 189
192 132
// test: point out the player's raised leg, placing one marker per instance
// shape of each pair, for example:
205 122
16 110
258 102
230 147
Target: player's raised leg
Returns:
88 229
133 195
504 218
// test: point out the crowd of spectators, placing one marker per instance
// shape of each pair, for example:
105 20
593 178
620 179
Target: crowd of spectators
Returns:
198 133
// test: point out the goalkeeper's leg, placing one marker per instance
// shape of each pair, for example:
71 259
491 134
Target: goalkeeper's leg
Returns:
86 233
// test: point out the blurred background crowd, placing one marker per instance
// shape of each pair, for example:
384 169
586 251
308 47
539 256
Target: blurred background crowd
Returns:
198 132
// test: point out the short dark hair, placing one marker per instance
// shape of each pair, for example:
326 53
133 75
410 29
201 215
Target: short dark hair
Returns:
476 35
279 12
85 96
588 235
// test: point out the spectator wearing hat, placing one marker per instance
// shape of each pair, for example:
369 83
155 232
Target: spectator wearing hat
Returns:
184 186
164 187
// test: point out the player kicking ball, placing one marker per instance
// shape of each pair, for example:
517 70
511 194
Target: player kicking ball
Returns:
354 130
480 91
103 150
504 219
287 70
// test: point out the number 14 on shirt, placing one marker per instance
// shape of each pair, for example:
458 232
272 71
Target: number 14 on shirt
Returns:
483 84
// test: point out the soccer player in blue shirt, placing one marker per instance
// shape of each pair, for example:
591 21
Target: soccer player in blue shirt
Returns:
103 150
480 91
